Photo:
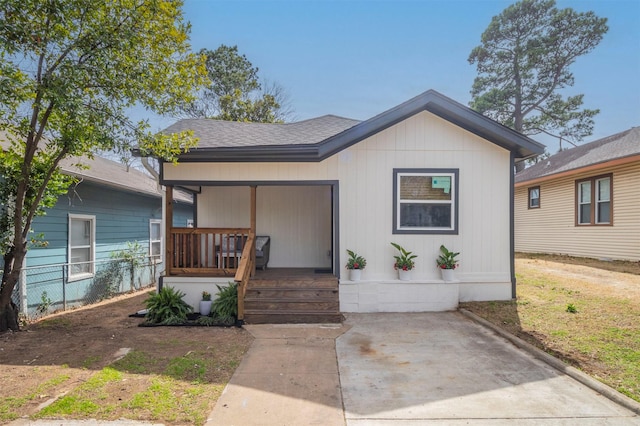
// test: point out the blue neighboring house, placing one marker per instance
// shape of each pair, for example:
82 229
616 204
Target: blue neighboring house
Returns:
111 209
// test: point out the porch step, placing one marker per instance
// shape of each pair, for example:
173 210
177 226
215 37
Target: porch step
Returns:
294 282
291 317
294 293
292 300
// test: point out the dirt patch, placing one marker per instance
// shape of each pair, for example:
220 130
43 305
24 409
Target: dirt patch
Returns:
49 358
598 280
626 267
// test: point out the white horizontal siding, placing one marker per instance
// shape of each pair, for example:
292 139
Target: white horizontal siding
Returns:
551 228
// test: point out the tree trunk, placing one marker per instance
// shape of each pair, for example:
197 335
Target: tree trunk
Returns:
10 276
9 318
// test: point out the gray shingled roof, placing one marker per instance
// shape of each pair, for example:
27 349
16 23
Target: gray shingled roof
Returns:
112 174
319 138
620 145
231 134
115 175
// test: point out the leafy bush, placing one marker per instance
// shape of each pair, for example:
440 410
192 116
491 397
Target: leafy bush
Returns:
167 307
226 304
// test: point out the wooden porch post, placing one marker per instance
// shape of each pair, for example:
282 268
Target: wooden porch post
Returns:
253 227
168 226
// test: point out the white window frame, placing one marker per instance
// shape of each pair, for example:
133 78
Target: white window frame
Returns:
152 223
91 246
598 201
452 174
582 202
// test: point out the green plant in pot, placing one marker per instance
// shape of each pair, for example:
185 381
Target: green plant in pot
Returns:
404 262
447 261
355 265
205 303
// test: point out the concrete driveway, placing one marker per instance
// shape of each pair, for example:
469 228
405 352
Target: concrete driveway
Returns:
442 368
403 369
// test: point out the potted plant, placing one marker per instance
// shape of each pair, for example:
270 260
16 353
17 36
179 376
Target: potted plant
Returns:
355 265
447 262
205 303
404 262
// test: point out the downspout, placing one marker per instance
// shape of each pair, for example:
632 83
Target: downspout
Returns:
512 238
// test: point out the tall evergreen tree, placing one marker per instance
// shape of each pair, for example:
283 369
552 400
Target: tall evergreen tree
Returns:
523 66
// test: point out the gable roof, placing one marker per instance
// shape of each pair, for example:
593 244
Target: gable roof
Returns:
112 174
116 175
319 138
619 146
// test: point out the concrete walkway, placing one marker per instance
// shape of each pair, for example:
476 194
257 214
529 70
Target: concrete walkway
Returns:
288 377
403 369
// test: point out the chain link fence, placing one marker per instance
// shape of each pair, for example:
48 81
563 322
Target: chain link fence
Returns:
47 289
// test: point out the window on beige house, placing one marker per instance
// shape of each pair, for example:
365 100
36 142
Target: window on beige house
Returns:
534 197
594 201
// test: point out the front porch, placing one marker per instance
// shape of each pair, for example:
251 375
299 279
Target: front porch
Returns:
198 258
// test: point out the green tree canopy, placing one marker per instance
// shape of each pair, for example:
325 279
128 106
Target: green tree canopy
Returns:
235 93
70 69
523 65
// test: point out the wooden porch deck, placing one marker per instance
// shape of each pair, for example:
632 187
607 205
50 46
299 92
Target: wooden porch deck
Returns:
292 295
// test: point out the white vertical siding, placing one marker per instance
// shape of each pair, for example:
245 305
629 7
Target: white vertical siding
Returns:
552 229
365 175
297 218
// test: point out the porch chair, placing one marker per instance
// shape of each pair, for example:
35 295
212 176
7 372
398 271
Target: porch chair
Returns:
263 245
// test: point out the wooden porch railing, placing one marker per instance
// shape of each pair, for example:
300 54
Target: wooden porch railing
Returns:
245 270
206 251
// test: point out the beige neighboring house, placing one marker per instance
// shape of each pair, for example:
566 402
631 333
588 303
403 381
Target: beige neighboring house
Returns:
584 201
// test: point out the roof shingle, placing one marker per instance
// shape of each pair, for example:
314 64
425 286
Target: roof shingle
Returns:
612 147
226 134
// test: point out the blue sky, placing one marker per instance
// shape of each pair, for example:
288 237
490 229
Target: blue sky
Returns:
359 58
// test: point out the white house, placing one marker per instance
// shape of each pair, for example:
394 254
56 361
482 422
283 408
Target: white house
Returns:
425 173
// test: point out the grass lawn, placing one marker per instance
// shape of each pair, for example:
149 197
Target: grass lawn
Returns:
96 363
585 315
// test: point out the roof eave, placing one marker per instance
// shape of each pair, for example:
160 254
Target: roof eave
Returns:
265 153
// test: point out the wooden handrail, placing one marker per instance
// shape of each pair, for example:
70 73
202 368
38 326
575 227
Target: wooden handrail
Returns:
244 272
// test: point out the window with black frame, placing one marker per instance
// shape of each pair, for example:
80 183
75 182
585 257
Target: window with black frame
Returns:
426 201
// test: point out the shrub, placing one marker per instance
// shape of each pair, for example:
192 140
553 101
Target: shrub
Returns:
225 306
167 307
